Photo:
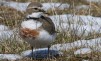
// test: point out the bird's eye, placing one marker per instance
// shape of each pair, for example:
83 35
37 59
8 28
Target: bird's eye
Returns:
36 8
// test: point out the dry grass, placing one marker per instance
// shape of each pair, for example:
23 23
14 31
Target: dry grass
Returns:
94 10
12 18
13 46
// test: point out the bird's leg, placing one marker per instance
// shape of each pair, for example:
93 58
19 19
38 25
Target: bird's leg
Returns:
48 51
32 52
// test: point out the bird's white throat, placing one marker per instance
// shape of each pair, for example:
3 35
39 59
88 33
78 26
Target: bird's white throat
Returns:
31 24
35 15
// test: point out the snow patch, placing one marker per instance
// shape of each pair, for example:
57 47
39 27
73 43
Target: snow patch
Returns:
83 51
22 6
3 28
6 35
76 19
10 56
60 6
41 53
95 44
96 1
83 7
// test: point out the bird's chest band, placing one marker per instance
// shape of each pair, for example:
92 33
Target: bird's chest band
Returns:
29 33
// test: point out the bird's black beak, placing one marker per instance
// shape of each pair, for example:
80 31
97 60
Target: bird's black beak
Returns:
44 11
41 10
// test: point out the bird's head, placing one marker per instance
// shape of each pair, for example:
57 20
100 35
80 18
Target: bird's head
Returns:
35 7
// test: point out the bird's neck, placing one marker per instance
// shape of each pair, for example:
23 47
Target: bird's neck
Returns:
35 15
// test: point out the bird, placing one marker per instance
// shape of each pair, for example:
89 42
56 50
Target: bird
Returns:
35 7
37 29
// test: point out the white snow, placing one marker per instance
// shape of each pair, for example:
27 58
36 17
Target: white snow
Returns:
3 3
85 60
95 44
83 7
5 35
47 6
28 52
10 56
96 1
80 30
76 19
83 51
60 6
80 24
86 46
3 28
22 6
40 53
16 5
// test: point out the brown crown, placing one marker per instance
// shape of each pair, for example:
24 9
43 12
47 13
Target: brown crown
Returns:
36 4
34 7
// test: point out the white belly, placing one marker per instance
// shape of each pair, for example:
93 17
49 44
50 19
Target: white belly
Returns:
43 40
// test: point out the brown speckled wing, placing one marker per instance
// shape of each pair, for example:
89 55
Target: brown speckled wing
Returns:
48 25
